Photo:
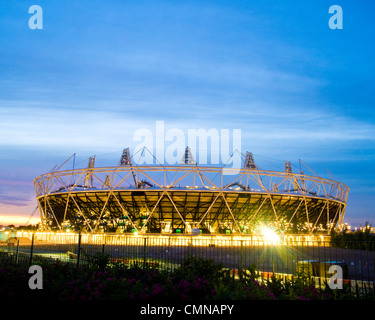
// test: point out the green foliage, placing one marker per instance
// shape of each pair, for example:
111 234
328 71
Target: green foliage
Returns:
196 279
193 267
250 274
360 239
100 260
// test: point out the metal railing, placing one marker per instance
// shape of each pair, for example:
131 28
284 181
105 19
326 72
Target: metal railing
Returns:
285 260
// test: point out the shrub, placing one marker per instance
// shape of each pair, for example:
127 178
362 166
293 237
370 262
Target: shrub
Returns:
195 279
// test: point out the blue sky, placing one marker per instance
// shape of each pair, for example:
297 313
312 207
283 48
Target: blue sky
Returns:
100 70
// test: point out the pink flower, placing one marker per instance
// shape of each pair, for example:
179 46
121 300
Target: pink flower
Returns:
157 289
144 296
185 285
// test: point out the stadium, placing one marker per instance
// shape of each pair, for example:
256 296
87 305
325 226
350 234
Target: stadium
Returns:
188 199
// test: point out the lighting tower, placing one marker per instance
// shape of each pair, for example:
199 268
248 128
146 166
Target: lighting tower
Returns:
88 178
249 161
188 157
288 167
107 183
125 158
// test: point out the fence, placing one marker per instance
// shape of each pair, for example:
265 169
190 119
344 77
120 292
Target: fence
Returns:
286 258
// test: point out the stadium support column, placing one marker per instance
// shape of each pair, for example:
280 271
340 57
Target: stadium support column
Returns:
231 213
42 215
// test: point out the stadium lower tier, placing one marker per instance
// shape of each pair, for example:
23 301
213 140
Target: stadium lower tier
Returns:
169 211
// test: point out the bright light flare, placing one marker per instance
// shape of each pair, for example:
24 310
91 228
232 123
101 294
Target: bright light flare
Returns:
269 235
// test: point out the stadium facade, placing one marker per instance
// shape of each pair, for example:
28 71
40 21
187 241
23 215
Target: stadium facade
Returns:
188 198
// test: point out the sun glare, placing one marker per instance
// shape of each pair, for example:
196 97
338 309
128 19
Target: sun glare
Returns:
269 235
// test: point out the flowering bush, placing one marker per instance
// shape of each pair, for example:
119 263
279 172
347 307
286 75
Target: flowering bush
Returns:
195 279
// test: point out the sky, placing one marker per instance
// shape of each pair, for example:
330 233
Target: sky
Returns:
98 71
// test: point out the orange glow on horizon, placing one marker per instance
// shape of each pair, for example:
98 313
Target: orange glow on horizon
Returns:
17 220
19 215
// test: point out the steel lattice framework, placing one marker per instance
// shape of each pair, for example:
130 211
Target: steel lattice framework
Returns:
173 199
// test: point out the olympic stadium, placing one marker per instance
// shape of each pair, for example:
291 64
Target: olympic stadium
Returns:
187 199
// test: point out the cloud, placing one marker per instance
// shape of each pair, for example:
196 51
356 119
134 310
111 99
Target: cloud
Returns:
103 130
15 200
54 128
